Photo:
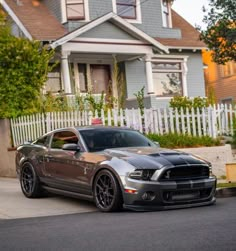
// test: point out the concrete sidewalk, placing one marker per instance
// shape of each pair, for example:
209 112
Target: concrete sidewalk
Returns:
13 204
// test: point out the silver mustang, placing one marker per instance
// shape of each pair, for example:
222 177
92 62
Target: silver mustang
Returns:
115 167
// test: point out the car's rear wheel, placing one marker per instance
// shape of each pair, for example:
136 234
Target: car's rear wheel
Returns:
30 184
107 192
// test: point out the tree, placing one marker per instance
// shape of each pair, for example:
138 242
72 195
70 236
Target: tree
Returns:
220 34
24 66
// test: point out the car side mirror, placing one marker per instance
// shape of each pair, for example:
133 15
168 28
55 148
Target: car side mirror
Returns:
157 143
71 147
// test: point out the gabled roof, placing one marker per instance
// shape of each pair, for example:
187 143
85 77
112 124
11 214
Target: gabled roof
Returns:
120 22
35 21
38 23
190 36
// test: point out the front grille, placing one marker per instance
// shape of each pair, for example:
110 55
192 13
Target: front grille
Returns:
186 195
185 173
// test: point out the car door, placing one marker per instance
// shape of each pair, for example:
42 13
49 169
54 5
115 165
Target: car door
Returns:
66 168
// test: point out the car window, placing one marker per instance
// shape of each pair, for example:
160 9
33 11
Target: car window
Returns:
43 141
63 137
98 140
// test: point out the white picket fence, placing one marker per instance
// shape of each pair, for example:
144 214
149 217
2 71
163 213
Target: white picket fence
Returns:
212 121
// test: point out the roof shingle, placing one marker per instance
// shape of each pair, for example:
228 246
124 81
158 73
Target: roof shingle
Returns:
189 38
38 21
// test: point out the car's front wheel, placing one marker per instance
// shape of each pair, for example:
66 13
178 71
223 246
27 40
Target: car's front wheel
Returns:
29 181
107 192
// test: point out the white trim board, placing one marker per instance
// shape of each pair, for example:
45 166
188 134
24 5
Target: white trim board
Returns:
106 48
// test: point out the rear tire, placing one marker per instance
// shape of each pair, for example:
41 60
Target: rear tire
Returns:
29 181
107 192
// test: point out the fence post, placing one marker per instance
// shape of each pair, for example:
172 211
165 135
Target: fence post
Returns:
214 124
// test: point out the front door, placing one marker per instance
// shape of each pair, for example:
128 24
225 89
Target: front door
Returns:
100 79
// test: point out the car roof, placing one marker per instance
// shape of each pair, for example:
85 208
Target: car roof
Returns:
101 127
83 128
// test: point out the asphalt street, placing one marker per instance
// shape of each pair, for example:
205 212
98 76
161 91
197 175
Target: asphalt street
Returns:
203 228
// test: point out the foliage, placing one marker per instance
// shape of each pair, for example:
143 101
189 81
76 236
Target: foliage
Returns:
174 140
119 79
219 185
140 99
220 35
173 87
53 103
95 104
186 102
234 131
211 95
24 66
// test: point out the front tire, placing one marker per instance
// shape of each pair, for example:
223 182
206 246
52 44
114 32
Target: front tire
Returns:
107 192
29 181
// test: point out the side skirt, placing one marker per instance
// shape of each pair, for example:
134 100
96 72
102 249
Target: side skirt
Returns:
68 193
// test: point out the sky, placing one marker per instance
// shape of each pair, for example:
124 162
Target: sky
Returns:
191 10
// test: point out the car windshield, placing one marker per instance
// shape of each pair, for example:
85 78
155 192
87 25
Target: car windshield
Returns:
101 139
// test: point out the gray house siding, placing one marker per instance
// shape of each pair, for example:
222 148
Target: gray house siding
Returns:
98 8
151 14
159 102
152 21
132 103
107 30
195 77
55 7
135 77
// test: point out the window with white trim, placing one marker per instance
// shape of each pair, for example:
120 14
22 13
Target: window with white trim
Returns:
166 14
167 78
75 9
128 9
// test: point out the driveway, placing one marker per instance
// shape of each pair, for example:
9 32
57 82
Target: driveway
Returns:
14 205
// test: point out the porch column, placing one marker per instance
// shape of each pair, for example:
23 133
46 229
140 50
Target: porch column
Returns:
66 72
185 72
150 89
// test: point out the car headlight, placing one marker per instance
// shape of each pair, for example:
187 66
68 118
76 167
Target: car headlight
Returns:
210 170
142 174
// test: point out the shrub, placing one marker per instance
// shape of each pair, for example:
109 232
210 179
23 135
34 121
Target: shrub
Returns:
185 102
174 140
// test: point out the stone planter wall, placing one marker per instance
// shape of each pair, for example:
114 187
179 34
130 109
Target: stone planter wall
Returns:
217 155
7 157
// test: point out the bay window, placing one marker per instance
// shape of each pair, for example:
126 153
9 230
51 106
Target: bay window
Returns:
167 78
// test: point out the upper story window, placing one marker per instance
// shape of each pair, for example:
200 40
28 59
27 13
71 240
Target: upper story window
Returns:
128 9
75 9
166 13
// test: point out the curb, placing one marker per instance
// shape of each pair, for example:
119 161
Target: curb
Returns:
225 192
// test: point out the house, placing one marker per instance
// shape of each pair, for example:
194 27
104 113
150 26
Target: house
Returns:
220 79
149 42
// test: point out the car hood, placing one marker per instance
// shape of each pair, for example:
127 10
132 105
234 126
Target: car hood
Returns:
154 158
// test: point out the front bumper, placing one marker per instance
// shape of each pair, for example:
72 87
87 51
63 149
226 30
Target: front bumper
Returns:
151 195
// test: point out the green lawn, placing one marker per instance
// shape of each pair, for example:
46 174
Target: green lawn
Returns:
227 184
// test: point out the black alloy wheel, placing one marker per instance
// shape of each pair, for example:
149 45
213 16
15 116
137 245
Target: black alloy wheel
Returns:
107 193
30 184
